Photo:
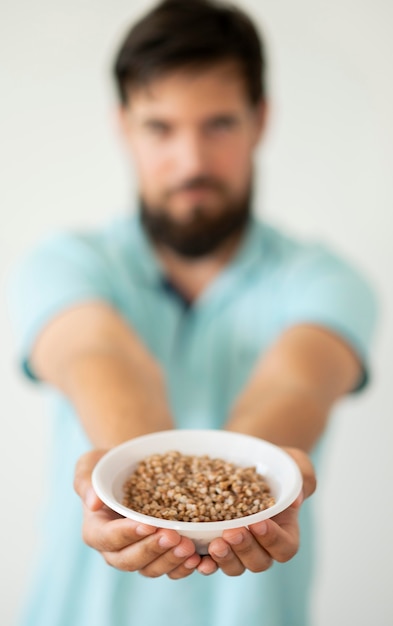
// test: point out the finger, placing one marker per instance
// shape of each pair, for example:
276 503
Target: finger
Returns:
170 560
307 470
82 478
137 556
249 552
186 568
207 566
298 502
225 558
105 530
280 540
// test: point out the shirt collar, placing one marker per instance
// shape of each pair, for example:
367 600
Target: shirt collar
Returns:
248 253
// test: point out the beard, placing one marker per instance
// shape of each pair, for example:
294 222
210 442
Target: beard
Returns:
204 231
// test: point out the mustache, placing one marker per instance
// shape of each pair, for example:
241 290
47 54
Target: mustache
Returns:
196 183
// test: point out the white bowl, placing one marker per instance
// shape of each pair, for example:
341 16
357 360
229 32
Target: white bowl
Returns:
278 468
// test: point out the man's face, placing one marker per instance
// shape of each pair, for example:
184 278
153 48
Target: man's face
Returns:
192 135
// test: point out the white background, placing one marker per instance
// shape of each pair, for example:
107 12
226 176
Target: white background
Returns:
324 171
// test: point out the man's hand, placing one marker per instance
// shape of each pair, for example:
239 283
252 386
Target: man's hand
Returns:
125 544
275 539
130 546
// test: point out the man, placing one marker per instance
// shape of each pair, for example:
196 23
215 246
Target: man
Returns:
190 314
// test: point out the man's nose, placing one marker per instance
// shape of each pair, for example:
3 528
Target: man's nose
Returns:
192 155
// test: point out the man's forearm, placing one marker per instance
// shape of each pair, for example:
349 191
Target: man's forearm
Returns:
92 355
292 390
114 399
284 417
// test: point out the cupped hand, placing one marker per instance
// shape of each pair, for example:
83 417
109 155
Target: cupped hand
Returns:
125 544
255 548
131 546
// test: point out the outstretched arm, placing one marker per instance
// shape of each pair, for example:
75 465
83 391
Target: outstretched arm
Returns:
294 387
116 386
118 391
287 401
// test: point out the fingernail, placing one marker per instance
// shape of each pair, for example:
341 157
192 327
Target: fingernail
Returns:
90 498
144 531
191 563
221 552
182 551
260 528
166 542
201 571
235 539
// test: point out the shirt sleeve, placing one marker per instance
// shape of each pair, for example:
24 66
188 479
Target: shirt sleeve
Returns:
326 290
62 271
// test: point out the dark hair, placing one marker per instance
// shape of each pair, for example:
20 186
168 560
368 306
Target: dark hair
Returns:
190 33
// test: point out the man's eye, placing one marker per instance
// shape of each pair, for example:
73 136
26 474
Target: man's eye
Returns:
159 129
223 124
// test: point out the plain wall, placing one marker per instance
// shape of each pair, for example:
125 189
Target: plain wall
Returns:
324 171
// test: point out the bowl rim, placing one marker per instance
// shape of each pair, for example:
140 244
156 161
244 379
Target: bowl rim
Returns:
109 500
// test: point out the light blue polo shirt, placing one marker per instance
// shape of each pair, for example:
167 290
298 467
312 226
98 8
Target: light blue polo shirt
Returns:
207 352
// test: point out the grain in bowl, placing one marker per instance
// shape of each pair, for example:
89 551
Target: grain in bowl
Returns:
190 488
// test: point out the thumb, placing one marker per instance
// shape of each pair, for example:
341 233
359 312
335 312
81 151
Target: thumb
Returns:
82 479
307 470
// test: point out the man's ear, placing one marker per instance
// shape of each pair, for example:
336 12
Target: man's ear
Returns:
122 122
262 111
